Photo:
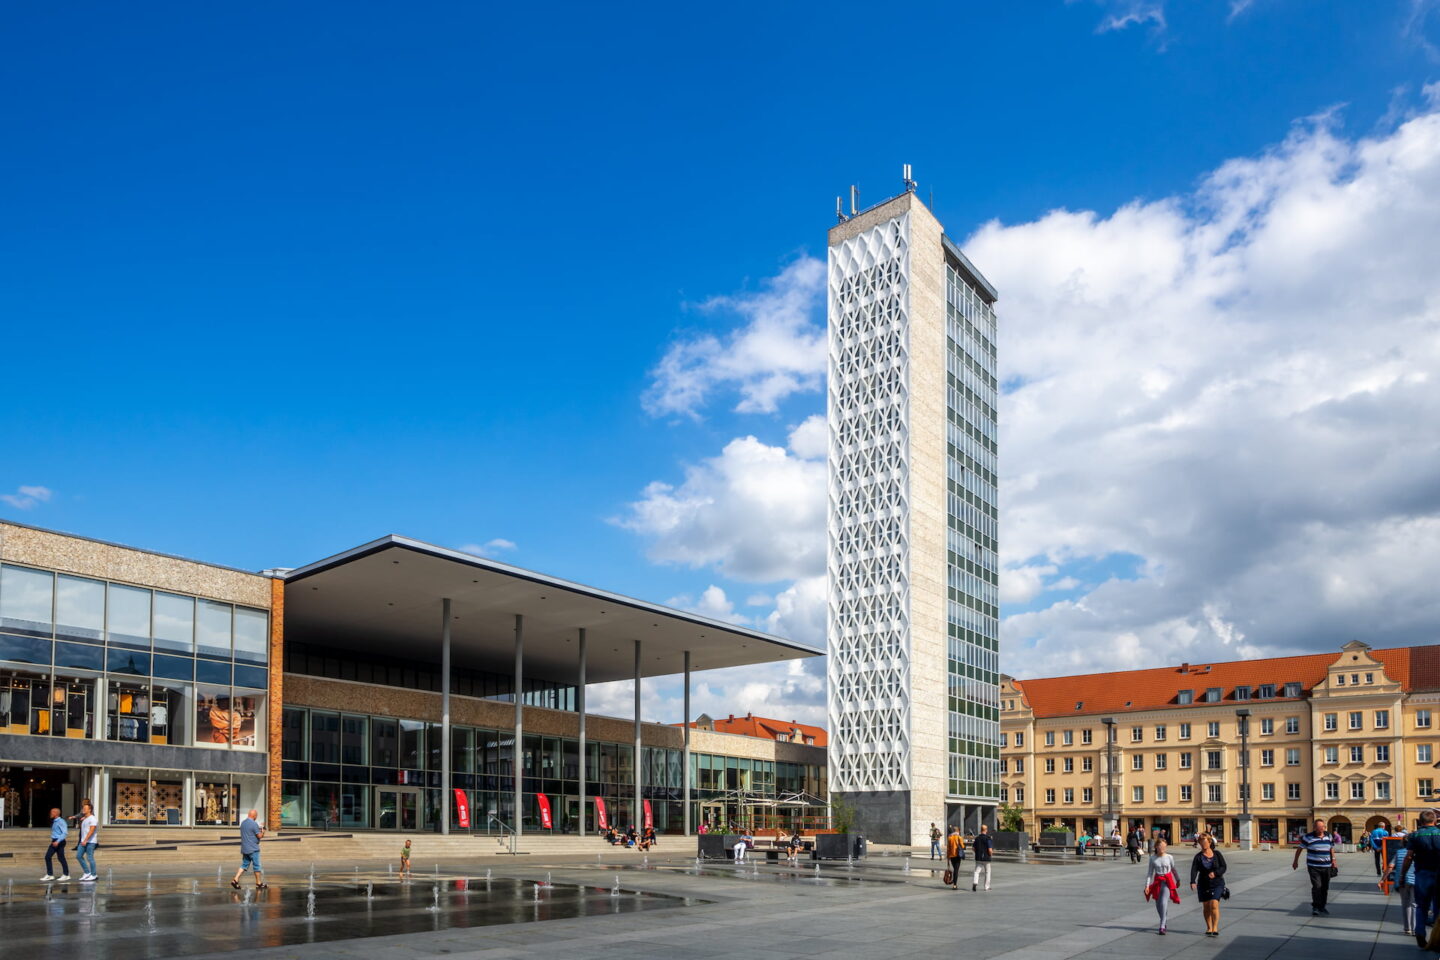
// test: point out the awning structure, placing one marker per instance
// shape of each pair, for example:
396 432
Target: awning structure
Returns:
384 597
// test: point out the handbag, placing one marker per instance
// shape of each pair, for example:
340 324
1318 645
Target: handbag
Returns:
949 878
1334 870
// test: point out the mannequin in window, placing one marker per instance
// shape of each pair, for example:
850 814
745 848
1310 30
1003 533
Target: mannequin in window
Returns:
224 721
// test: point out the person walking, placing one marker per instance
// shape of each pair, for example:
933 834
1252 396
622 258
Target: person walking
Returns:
934 842
954 852
1424 854
1132 845
1319 849
984 845
1377 836
58 833
89 837
1403 876
250 835
1207 879
1160 882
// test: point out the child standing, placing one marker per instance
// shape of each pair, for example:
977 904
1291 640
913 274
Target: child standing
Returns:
405 860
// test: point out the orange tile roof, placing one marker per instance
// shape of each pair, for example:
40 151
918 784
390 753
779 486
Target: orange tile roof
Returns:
767 729
1414 668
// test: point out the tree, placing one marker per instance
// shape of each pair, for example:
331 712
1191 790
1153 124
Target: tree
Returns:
842 814
1011 818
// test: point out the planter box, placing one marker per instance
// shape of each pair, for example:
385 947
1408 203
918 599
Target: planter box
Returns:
1053 838
717 846
1011 840
839 846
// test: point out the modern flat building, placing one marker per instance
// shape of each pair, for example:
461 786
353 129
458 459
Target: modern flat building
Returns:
180 694
912 622
1347 736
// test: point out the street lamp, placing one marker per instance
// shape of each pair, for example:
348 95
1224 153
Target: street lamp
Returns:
1244 717
1110 816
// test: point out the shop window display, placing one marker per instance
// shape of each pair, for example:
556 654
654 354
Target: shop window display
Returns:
73 707
217 803
225 720
128 707
170 713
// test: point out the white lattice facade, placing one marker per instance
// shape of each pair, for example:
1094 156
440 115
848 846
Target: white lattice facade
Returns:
912 605
869 561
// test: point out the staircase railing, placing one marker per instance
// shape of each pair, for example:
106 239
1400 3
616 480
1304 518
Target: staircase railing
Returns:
507 832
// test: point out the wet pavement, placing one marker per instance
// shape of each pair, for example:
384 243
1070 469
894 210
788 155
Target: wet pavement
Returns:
175 916
673 907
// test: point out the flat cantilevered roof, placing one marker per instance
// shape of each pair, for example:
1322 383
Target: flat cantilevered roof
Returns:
384 597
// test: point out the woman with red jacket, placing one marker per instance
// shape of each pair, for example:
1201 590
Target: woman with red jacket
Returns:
1160 882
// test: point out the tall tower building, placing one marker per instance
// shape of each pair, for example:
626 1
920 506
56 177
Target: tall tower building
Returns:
913 603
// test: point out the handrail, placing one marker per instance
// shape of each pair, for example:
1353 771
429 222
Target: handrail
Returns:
505 829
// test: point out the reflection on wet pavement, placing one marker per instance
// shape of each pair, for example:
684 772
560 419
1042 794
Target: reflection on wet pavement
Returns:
121 921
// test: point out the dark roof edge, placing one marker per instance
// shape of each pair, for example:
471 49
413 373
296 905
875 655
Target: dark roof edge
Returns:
495 566
969 271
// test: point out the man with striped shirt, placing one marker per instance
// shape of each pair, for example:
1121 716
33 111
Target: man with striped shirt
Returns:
1319 848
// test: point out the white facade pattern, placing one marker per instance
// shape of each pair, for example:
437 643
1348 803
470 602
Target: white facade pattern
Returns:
868 560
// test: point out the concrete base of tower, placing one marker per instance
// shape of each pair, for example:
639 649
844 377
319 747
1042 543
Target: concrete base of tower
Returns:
969 816
880 816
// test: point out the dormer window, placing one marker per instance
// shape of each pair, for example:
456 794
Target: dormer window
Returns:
1185 696
1212 695
1292 689
1242 693
1267 691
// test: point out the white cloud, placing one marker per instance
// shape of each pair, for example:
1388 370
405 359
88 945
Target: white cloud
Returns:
777 352
1119 14
713 603
1023 583
1256 414
490 548
27 497
755 513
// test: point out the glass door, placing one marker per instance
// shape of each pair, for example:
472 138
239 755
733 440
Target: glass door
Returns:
397 808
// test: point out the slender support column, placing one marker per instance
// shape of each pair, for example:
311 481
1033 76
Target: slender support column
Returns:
685 770
445 795
638 813
580 702
517 758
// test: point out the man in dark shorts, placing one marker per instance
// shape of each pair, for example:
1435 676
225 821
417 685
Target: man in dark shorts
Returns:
250 834
1319 850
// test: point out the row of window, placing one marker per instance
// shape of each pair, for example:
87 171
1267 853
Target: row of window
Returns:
1330 722
1214 759
48 605
1265 691
1215 792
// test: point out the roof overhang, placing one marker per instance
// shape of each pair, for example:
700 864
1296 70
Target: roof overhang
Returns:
385 597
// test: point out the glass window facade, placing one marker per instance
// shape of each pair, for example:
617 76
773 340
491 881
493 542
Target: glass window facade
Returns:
973 563
89 659
356 770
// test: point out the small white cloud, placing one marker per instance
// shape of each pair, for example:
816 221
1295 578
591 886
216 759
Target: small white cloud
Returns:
1022 584
490 548
27 497
712 603
759 600
779 351
1119 14
811 439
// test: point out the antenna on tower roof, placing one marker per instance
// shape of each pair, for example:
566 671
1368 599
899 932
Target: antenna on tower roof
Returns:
854 197
909 182
840 210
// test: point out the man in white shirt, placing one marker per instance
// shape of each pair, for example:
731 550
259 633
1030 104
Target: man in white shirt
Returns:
89 837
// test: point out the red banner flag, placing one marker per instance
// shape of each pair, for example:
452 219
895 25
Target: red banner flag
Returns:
462 809
600 819
649 817
544 802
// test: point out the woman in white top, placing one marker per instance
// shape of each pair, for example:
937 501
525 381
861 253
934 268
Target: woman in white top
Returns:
1160 881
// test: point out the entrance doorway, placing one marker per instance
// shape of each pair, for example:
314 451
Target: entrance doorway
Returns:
29 793
397 808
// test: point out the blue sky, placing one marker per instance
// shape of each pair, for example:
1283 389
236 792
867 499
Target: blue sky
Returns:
278 279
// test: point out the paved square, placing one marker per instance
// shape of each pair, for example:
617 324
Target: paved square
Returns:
1035 911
